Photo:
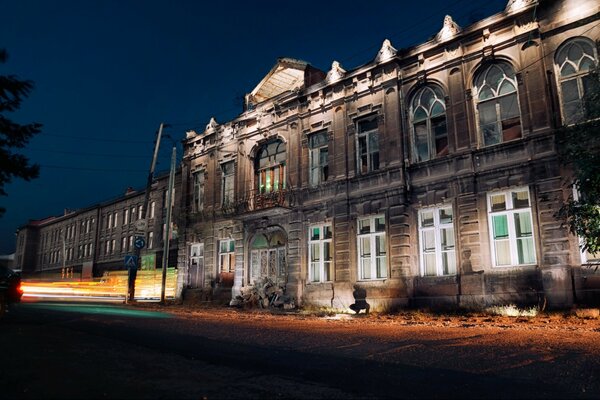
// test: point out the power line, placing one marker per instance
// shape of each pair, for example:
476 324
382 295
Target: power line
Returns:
92 169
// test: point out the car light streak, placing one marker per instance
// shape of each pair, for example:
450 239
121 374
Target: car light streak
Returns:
112 286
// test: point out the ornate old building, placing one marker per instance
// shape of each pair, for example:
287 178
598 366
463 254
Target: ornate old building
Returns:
426 176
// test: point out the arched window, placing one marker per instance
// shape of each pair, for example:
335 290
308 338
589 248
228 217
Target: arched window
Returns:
497 104
574 62
428 120
270 167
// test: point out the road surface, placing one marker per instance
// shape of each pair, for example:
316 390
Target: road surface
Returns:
69 350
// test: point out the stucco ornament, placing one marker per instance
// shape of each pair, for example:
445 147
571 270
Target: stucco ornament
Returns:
190 134
516 5
386 52
449 30
336 72
211 126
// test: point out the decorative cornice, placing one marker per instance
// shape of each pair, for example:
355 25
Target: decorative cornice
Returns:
517 5
386 52
211 127
449 30
335 73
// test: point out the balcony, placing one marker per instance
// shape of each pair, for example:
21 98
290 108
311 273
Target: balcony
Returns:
256 204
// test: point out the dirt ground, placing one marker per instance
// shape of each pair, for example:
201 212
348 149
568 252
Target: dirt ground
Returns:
557 347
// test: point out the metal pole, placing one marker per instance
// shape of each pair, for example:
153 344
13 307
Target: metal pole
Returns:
165 261
131 283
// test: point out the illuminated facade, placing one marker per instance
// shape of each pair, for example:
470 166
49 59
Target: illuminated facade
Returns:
98 236
427 176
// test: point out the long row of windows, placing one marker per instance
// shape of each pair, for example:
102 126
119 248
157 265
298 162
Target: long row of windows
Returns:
511 238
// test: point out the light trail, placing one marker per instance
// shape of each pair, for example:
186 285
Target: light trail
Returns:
111 287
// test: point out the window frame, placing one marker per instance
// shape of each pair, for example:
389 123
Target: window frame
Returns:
227 195
318 171
273 171
577 76
198 181
229 255
481 74
437 228
373 235
510 211
325 267
372 157
432 151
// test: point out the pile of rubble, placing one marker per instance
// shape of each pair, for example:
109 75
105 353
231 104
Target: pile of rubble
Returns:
264 294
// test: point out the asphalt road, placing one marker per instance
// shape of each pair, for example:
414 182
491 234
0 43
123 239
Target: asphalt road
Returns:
60 350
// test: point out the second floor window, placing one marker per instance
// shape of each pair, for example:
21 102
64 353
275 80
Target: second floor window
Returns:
318 158
367 145
497 104
428 119
574 62
228 171
198 191
270 167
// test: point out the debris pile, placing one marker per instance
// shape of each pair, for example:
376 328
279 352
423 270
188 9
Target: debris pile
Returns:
264 294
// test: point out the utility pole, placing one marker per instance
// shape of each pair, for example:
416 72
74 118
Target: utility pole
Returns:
133 271
165 260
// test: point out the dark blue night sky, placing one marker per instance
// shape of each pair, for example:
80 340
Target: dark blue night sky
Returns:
107 73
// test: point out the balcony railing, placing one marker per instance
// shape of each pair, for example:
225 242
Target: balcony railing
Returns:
253 200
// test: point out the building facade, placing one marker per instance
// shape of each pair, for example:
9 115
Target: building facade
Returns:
96 239
427 176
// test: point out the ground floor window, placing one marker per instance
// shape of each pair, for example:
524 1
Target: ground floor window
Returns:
320 254
227 255
372 253
511 227
436 241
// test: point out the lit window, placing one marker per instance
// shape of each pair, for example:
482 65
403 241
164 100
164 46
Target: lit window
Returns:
574 62
152 209
497 104
372 254
511 227
198 192
227 255
436 240
320 254
126 216
318 158
124 244
109 224
367 145
227 191
270 167
150 240
428 121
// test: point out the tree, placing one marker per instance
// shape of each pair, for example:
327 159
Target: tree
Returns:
13 135
579 148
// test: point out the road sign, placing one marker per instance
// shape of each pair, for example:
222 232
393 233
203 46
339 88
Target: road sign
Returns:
139 242
141 225
131 261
